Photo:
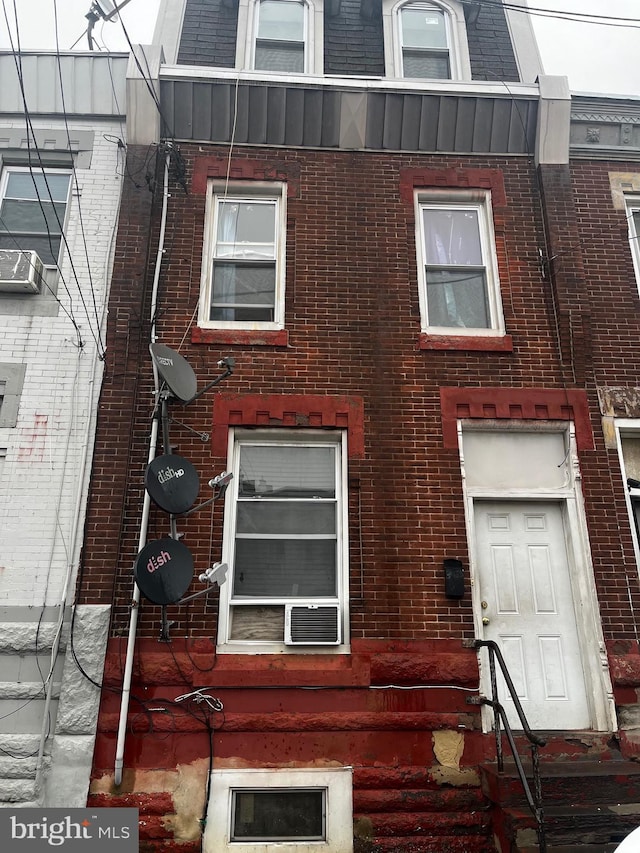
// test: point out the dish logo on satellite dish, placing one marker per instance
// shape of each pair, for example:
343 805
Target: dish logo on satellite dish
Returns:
169 473
156 562
168 362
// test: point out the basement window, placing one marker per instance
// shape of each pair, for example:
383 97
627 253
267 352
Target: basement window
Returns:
280 814
293 810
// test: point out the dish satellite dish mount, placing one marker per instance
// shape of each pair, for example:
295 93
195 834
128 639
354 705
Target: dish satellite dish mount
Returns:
164 569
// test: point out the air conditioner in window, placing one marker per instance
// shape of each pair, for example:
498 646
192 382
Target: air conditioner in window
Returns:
312 625
20 271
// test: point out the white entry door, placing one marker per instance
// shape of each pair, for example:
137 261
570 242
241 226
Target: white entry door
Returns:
527 608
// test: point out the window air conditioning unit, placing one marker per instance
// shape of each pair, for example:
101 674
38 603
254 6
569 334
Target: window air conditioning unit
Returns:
20 271
312 624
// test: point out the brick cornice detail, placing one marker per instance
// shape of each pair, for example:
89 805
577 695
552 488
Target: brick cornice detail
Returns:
536 404
288 410
243 170
486 179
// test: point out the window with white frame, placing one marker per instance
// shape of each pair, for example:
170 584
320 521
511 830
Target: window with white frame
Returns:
32 211
280 36
426 39
285 541
630 458
294 809
633 218
243 268
457 264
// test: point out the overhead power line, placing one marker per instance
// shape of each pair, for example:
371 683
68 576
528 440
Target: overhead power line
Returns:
559 14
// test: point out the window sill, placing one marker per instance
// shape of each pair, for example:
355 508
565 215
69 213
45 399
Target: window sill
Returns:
471 343
241 337
297 669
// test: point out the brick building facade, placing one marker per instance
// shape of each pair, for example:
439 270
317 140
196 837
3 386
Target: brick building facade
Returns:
426 282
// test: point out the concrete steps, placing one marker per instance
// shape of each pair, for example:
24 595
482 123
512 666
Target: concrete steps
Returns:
25 661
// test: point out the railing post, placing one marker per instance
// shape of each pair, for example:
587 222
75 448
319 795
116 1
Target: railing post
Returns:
496 715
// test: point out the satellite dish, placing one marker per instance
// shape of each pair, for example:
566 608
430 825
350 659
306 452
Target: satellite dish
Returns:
175 371
163 570
172 482
108 9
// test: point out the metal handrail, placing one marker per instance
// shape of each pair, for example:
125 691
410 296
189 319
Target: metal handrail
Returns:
534 798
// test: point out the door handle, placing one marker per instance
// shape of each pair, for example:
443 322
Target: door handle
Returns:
485 620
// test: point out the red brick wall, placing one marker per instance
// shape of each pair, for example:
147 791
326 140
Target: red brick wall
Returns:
353 325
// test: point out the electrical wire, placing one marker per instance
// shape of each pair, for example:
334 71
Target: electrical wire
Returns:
99 342
559 14
32 144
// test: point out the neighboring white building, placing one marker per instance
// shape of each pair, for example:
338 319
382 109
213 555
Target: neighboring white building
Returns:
62 146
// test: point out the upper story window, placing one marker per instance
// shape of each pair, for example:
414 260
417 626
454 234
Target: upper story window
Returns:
280 36
243 268
629 449
32 211
426 40
633 217
457 265
285 542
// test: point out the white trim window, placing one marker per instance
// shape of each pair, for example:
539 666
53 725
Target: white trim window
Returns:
629 451
633 218
281 40
426 40
457 265
33 209
243 265
285 543
301 809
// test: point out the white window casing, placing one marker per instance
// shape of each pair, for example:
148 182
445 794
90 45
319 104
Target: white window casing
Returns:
448 42
633 219
262 48
243 267
34 206
285 541
628 436
458 283
231 794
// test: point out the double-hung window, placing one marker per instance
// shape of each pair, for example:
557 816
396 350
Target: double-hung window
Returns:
629 444
285 541
32 211
281 36
426 39
633 218
243 269
424 33
457 265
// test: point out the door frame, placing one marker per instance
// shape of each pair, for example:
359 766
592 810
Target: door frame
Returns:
595 662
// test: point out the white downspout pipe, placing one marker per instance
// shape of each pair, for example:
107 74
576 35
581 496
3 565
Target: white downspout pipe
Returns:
144 521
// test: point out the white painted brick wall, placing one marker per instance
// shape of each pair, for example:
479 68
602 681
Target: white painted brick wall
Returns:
41 474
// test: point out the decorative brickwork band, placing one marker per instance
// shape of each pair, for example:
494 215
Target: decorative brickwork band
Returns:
536 404
244 170
288 410
486 179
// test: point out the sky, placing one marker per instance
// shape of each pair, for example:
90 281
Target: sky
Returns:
595 57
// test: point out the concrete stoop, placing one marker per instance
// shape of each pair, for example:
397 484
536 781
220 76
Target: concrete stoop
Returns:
25 660
590 803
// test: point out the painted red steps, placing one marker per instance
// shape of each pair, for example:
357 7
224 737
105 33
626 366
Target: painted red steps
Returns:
588 803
